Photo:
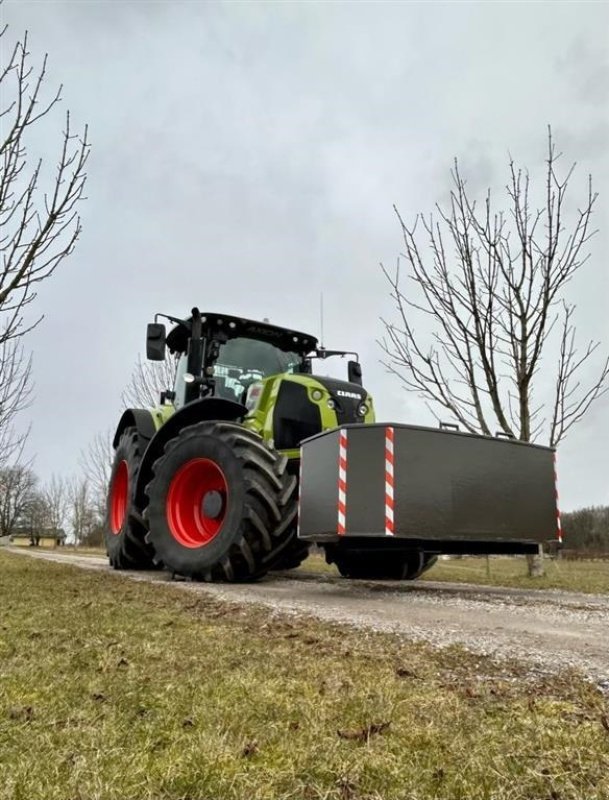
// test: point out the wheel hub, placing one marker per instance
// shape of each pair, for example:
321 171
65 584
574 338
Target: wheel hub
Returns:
196 502
213 504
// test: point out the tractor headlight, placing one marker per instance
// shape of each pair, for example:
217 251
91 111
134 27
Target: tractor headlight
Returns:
317 395
362 409
331 403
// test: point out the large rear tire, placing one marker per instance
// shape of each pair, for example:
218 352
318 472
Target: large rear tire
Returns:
221 505
380 565
124 530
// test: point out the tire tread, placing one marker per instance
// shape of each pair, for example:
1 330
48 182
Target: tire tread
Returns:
270 504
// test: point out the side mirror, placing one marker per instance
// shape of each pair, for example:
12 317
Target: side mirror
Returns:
155 341
354 371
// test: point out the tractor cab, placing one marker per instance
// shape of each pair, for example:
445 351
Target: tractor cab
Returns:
266 370
241 362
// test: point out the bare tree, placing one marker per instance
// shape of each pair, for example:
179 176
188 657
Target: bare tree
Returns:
587 529
17 484
34 519
492 287
96 464
56 501
15 395
82 513
148 380
39 225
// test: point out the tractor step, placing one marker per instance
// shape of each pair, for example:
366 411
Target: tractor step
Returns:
437 490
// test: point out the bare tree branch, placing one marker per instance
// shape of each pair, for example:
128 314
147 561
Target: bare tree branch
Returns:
148 380
96 462
15 396
490 284
571 401
39 226
55 494
16 486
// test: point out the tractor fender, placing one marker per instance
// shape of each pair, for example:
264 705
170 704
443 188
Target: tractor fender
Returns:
142 420
208 408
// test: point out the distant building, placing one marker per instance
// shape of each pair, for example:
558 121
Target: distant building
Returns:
48 538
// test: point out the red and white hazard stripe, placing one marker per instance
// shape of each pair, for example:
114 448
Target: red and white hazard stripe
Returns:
342 482
558 525
389 482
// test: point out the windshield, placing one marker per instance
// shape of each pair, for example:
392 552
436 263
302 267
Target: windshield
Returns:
243 361
240 363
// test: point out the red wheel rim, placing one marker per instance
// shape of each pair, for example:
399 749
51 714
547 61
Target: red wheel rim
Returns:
196 502
119 496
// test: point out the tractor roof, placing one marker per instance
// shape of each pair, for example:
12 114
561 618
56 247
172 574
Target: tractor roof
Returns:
234 327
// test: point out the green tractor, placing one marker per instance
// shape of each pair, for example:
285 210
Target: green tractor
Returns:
206 484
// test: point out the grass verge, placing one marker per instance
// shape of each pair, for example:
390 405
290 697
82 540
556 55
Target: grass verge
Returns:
575 576
115 689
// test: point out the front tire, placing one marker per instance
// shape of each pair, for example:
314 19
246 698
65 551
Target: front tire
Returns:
123 530
221 505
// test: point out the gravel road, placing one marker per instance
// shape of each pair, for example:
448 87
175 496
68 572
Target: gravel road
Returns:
549 629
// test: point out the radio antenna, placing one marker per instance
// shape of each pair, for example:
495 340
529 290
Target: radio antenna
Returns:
321 318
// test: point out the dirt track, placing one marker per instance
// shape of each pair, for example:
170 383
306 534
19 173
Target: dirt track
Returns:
549 629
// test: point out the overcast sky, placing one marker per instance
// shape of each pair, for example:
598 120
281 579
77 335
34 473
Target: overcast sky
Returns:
246 156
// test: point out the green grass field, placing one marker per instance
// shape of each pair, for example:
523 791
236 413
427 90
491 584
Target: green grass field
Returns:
115 689
575 576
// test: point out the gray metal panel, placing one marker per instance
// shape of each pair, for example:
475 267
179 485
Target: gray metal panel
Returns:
450 486
423 499
472 487
510 487
365 480
319 485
